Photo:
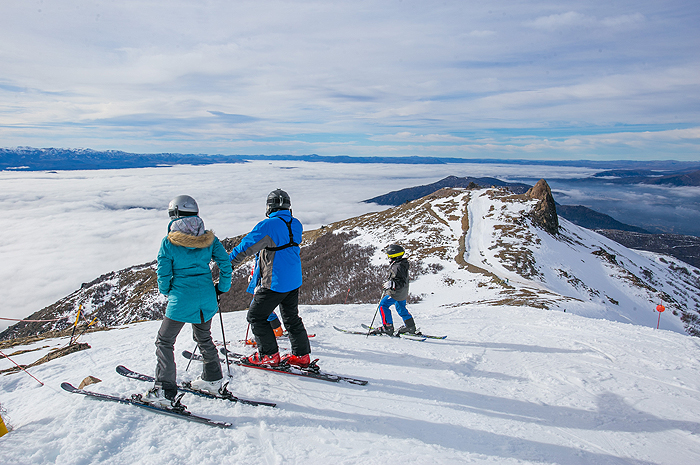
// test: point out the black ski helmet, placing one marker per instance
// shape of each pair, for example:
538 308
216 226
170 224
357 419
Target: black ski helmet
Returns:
393 251
182 205
277 200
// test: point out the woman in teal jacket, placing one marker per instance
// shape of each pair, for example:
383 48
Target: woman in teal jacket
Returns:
185 277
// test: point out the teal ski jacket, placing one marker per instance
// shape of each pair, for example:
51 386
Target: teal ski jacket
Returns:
185 277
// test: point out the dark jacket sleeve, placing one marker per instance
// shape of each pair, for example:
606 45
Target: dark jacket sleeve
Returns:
398 275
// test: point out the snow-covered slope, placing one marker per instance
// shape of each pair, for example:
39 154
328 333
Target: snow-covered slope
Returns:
510 385
481 246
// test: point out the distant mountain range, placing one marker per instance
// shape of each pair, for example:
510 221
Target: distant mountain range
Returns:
686 177
29 159
413 193
40 159
591 219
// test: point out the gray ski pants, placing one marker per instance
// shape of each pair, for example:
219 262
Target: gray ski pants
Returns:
165 352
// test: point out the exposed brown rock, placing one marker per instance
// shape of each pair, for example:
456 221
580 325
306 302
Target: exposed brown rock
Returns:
544 214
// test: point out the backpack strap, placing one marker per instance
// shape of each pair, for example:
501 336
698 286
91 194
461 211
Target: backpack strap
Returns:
291 242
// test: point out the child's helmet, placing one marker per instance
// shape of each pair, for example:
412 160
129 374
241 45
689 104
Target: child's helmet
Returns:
182 205
277 200
393 250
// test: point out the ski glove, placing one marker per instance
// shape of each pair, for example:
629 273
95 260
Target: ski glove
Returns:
388 285
218 292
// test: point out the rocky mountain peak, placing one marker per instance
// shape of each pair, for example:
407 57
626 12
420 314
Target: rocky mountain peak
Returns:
544 214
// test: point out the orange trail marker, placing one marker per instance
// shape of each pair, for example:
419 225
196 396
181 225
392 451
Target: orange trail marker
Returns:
659 308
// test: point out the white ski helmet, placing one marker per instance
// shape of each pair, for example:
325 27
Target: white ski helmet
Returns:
182 205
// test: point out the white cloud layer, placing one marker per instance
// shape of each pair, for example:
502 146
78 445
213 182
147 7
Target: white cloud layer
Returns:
264 77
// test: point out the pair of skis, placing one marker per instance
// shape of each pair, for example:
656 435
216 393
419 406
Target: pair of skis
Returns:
312 371
178 410
224 393
418 336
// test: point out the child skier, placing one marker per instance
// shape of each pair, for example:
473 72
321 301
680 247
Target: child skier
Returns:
395 293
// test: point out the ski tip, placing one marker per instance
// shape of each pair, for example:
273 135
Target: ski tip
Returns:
68 387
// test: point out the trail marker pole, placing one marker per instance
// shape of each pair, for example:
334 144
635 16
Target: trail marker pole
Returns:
75 325
659 308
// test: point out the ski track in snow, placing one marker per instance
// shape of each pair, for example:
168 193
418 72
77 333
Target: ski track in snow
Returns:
509 385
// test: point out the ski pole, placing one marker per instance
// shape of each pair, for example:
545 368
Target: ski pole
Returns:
194 351
223 336
375 315
84 330
77 318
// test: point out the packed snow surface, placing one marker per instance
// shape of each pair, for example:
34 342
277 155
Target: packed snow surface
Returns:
509 385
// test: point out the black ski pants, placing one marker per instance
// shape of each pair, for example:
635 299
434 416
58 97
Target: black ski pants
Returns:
264 303
165 353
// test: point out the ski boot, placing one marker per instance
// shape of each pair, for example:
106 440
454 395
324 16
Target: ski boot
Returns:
158 397
386 329
299 361
277 327
212 387
257 359
409 327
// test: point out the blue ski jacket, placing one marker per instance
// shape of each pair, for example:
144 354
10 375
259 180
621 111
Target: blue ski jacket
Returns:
185 277
278 270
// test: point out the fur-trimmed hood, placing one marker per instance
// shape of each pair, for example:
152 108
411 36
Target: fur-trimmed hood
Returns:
187 240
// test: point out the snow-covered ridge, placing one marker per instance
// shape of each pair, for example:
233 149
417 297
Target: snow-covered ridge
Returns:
489 250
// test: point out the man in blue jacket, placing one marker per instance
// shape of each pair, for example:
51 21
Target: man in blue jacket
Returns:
276 280
185 277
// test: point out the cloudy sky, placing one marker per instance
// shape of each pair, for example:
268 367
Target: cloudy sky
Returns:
501 79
